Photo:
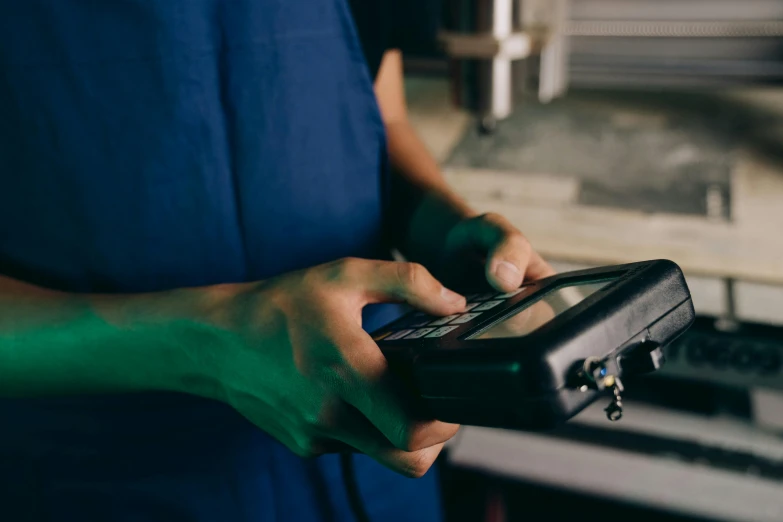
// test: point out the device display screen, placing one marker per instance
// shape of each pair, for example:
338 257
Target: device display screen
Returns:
543 310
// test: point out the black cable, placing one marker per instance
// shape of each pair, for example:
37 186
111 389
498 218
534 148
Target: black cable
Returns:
352 488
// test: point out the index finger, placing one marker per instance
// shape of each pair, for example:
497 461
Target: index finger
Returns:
384 281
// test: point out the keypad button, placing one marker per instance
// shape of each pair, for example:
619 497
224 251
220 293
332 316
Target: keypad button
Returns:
512 294
416 319
471 306
419 321
381 336
440 332
489 305
443 320
483 297
398 335
421 332
464 318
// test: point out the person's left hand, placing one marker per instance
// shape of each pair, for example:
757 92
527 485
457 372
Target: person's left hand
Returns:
504 253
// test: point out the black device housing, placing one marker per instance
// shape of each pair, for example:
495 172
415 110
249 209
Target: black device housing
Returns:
533 382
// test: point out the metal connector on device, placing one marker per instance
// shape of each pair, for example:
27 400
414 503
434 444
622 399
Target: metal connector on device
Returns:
594 374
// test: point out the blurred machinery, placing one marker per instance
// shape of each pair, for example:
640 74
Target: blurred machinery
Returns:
705 440
488 39
496 46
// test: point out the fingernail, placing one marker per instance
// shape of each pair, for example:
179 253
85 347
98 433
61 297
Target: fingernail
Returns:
507 272
449 296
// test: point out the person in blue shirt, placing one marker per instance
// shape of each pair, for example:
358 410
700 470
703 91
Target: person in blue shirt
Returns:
198 201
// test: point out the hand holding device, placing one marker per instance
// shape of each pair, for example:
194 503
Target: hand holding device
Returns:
299 365
535 357
490 240
487 252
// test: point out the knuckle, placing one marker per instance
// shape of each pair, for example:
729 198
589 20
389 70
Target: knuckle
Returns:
404 438
506 233
312 422
314 278
516 239
307 449
349 264
313 426
419 464
493 218
302 447
410 274
342 268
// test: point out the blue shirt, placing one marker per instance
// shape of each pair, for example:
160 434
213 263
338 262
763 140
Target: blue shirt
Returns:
155 144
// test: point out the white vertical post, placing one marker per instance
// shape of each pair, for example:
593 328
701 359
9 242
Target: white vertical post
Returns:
501 96
553 76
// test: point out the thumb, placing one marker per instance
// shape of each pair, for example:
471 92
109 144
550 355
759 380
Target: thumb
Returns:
506 250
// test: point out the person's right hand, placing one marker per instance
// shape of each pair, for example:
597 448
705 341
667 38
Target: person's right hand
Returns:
300 367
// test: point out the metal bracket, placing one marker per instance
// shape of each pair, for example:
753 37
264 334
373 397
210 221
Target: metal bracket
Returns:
517 29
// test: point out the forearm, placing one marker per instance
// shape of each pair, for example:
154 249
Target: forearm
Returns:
54 343
423 206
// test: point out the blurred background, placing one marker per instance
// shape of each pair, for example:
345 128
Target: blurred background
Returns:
613 131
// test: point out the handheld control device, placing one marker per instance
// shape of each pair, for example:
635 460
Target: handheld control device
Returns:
533 358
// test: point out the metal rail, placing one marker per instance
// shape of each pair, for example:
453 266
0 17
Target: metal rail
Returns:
674 29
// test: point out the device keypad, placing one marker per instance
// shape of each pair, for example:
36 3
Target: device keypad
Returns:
489 305
418 334
481 297
421 325
465 318
443 320
511 294
440 332
398 335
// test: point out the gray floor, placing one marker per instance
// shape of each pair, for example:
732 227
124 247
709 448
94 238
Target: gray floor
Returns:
649 152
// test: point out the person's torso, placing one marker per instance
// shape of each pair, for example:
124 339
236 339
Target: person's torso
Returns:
147 145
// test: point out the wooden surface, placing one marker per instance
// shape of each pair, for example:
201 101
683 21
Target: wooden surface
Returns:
750 248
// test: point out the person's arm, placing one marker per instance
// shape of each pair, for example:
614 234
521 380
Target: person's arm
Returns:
289 353
417 182
429 222
56 343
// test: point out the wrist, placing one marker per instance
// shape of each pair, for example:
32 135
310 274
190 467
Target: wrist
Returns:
206 338
174 340
430 226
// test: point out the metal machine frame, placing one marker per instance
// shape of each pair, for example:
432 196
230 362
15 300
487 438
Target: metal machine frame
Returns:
616 44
